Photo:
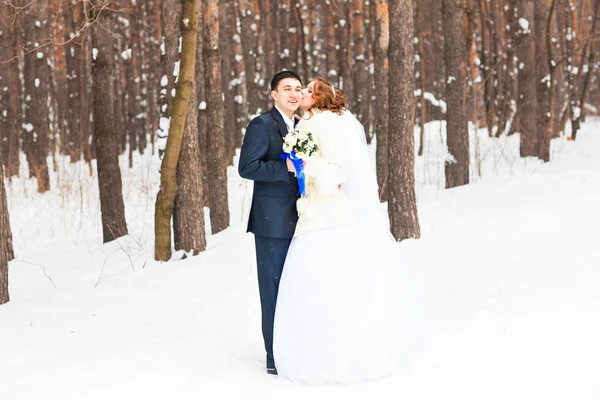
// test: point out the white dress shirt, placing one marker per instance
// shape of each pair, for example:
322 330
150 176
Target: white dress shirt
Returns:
289 122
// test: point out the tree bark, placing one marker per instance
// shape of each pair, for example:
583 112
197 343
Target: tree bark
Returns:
156 70
105 133
9 95
359 66
5 232
5 236
421 61
342 36
37 86
201 93
588 59
545 84
232 133
457 128
60 87
527 101
249 18
380 15
71 144
402 206
168 184
188 213
217 154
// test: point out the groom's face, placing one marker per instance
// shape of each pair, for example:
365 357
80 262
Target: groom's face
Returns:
287 96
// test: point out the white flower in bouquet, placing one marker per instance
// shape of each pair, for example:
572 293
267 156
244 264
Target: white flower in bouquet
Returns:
300 142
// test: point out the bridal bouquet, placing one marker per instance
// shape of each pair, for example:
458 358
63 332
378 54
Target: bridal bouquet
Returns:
298 146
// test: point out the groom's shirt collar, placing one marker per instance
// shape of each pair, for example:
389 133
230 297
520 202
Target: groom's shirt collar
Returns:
288 121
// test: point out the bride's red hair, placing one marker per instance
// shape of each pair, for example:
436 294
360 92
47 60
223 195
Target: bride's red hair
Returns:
328 98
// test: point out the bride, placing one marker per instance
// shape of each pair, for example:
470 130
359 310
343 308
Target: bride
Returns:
344 308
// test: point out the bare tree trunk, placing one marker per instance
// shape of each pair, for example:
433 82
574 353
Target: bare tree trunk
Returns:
134 67
402 206
60 87
14 110
201 96
542 16
232 133
527 101
360 75
320 39
330 48
249 16
156 70
217 154
588 59
342 35
168 183
380 16
421 61
488 62
302 42
188 213
5 238
37 86
284 18
72 141
6 244
474 72
120 44
457 128
7 112
171 20
105 133
509 76
85 95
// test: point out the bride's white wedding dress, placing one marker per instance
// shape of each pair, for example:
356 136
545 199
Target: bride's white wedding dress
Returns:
345 311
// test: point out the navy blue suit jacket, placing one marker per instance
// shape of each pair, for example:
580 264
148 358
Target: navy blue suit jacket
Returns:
273 212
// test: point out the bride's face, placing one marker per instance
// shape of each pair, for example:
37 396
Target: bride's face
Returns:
307 97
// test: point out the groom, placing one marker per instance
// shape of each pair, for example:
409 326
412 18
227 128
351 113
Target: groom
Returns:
273 214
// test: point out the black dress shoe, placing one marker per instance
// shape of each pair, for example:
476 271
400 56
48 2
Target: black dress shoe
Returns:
272 371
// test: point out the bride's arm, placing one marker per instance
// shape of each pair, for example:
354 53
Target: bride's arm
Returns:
329 168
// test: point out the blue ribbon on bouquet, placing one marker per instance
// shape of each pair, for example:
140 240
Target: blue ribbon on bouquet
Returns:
299 166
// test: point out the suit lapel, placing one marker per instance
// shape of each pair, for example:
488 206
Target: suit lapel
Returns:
281 126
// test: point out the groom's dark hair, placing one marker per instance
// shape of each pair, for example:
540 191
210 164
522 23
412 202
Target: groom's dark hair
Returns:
283 75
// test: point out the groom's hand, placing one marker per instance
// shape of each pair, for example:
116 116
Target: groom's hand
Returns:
290 166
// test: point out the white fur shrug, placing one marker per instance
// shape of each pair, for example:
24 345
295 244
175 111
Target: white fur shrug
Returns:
325 205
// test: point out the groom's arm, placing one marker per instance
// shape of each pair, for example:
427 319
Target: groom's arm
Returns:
253 153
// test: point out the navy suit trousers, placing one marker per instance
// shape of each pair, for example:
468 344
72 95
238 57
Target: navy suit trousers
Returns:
270 257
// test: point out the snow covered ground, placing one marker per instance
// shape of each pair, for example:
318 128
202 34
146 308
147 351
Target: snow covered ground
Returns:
509 267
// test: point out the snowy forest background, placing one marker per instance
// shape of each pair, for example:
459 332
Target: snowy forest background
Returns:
499 95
